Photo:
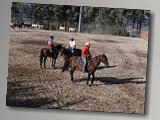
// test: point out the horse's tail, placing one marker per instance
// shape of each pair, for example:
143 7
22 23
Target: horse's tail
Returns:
41 57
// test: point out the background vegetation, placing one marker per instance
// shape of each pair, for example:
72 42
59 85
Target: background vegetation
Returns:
97 20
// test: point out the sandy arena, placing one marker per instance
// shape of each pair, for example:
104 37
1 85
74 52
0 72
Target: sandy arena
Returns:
119 88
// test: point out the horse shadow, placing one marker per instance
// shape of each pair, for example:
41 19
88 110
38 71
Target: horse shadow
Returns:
16 92
103 67
115 80
55 68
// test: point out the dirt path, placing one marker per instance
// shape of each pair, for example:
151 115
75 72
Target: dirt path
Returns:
119 88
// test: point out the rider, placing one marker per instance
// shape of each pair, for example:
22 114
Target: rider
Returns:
72 46
85 56
51 43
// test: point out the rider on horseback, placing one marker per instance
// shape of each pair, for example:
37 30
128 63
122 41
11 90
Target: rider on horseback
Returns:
51 43
72 46
86 56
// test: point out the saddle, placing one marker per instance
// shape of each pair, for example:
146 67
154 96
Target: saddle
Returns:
80 61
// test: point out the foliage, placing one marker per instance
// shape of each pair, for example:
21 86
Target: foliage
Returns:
94 19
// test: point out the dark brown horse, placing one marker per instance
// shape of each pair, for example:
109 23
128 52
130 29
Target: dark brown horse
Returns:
13 25
67 53
75 63
46 52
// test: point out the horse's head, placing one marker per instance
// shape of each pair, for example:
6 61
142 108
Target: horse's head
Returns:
104 60
65 52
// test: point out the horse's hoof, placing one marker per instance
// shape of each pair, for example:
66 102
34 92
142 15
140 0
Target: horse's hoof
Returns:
91 85
87 83
53 67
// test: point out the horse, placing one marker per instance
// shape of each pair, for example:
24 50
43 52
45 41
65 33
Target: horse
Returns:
72 29
27 25
47 52
13 25
67 53
62 28
20 25
75 63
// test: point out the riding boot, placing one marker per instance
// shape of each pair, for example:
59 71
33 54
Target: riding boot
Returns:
86 67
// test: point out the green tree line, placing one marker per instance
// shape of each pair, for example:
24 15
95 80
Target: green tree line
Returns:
94 19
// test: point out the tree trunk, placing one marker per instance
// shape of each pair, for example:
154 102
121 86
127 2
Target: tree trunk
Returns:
57 25
133 22
49 26
137 24
140 26
68 24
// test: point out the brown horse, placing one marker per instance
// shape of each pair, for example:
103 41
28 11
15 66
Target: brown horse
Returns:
75 63
46 52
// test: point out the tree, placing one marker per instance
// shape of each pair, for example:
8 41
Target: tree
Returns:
17 10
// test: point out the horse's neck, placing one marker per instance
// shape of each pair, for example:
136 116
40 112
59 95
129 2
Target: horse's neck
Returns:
96 62
66 52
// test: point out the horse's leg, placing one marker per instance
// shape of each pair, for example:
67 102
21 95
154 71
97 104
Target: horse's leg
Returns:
41 58
71 74
54 63
45 62
88 78
14 29
92 78
22 28
64 66
41 64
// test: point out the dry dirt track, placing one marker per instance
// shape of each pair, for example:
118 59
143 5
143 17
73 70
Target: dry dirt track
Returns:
119 88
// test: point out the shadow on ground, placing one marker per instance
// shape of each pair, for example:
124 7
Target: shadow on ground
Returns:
115 80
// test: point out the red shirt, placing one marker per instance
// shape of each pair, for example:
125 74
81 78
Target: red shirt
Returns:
50 44
85 52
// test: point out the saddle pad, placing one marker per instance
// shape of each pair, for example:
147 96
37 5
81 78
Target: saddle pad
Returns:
79 60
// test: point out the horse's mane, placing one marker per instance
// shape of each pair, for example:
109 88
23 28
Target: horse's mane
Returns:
59 45
99 55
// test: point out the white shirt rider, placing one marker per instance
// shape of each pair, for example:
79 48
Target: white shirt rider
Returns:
72 44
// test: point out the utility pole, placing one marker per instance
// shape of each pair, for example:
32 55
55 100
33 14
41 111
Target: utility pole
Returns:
80 18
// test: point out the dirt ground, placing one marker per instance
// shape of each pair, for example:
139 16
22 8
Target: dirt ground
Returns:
119 88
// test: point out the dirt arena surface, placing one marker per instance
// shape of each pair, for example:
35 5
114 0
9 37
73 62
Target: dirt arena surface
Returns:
119 88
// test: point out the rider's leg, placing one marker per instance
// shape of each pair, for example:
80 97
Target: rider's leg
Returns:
84 63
